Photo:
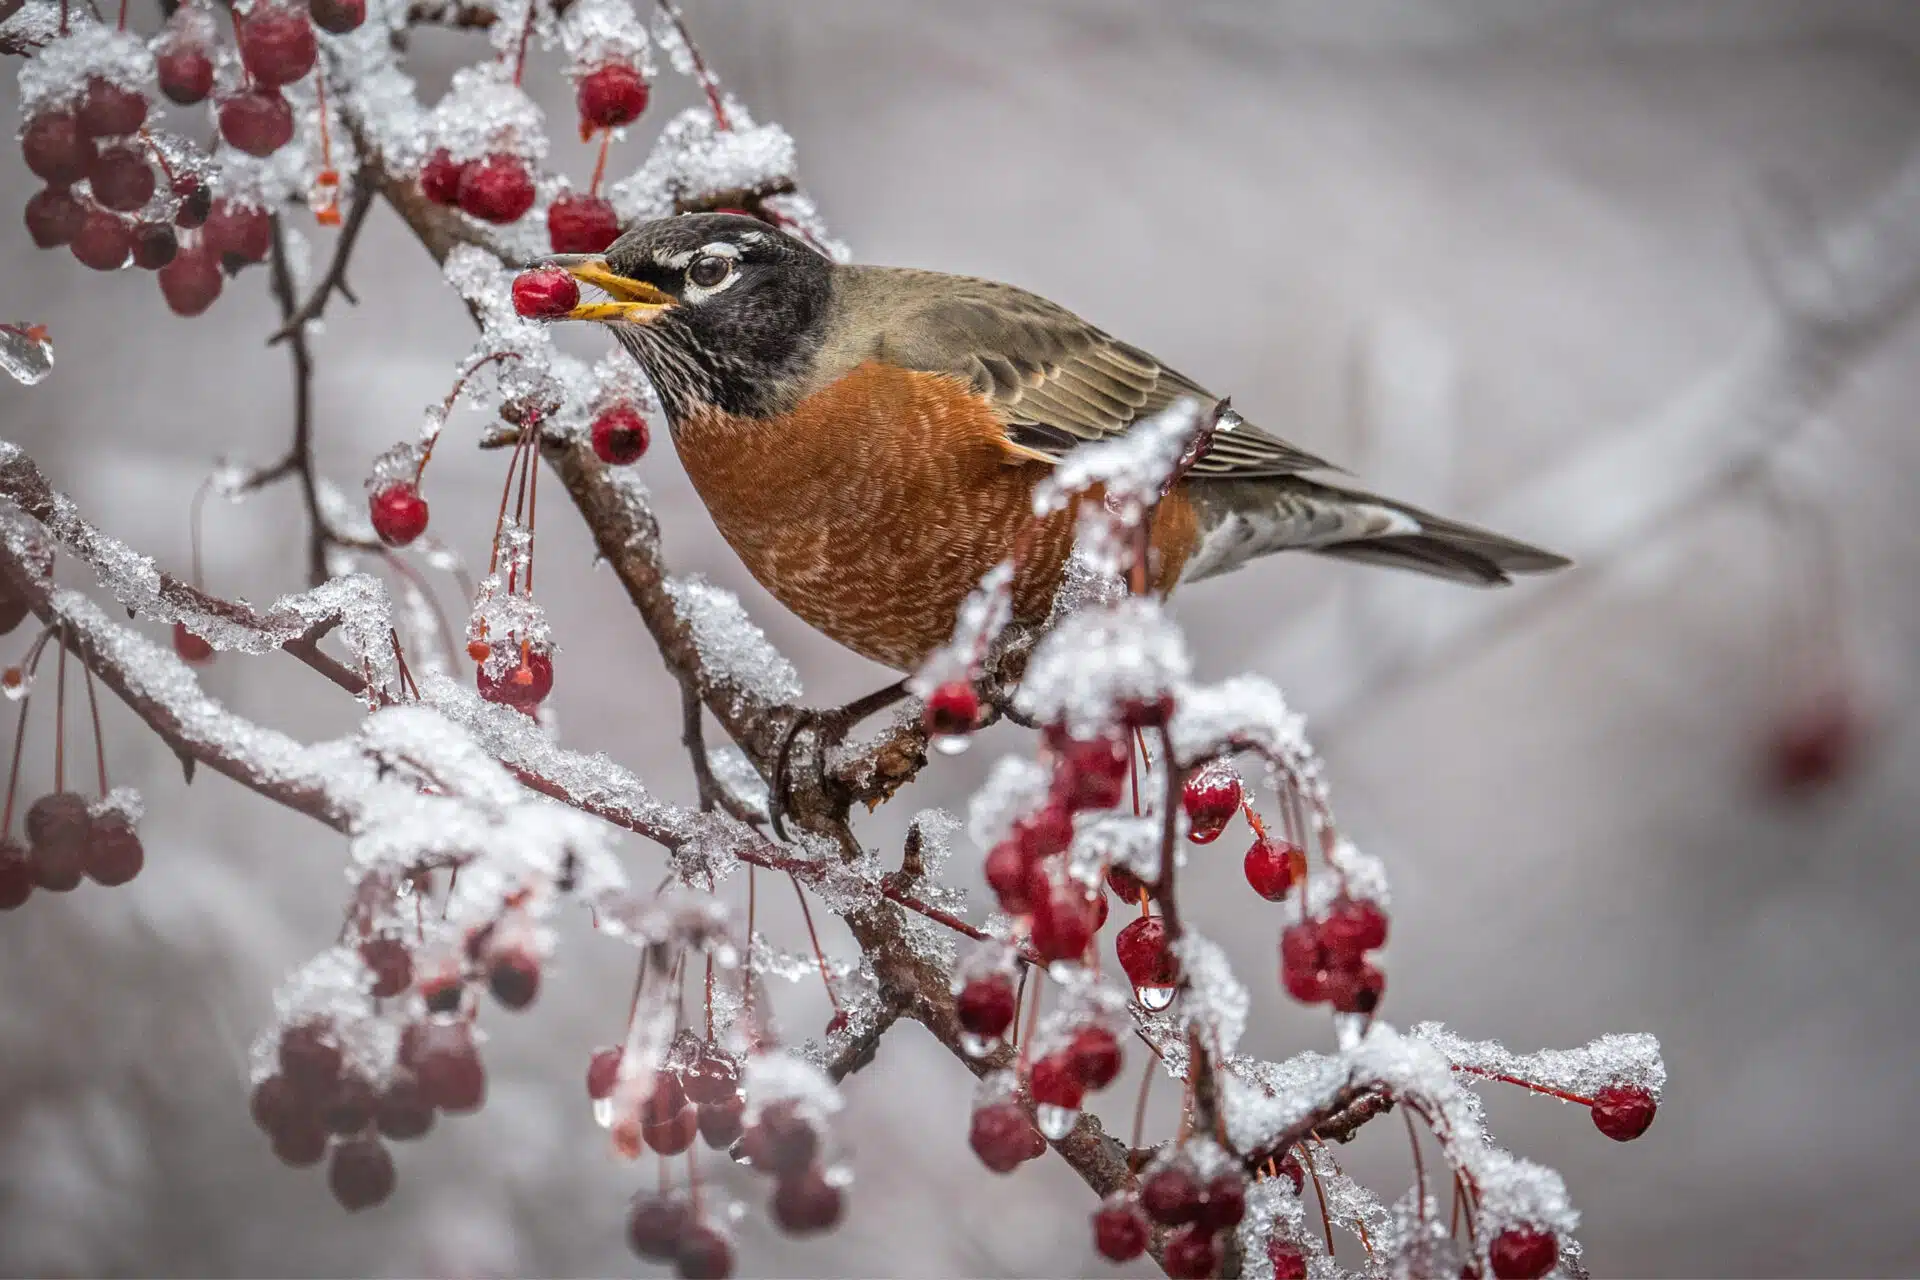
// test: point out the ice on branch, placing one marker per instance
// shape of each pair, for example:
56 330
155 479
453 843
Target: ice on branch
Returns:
732 646
1613 1059
1098 662
57 75
694 161
597 32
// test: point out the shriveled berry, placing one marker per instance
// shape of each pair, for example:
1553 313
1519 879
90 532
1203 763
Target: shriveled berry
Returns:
805 1203
56 148
952 709
154 245
16 874
612 96
54 217
984 1006
513 976
603 1071
399 513
277 45
1352 927
1171 1195
1269 868
443 1057
1193 1253
190 283
114 852
525 686
361 1173
545 293
1623 1111
310 1059
581 223
239 232
109 111
402 1112
186 72
1226 1201
337 16
1523 1253
1210 798
440 178
1002 1135
1120 1230
1144 954
1091 773
1355 988
1289 1262
195 202
655 1225
496 188
704 1254
257 120
723 1123
103 241
391 964
1096 1056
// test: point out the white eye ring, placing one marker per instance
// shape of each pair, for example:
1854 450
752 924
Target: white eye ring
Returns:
707 272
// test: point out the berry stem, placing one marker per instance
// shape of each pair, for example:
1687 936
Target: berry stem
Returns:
746 970
1140 1105
533 501
1419 1164
1320 1194
1528 1085
707 83
820 957
60 722
99 743
123 16
193 527
28 666
520 52
600 165
1020 1003
1033 1021
446 406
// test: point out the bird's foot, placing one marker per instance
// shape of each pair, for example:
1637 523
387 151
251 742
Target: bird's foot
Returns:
829 726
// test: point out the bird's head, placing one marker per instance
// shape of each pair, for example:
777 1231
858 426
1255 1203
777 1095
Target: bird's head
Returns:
720 309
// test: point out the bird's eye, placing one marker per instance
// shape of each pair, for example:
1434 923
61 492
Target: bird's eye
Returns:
709 271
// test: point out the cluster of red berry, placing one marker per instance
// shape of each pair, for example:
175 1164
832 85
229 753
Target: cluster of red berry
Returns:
1199 1210
65 843
618 432
1324 959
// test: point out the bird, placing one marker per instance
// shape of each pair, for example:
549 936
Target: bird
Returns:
867 439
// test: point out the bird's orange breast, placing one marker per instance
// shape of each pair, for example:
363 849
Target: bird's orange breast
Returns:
877 504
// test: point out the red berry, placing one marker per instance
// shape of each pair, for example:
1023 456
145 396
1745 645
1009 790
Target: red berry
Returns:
337 16
1054 1083
524 687
239 232
1352 927
121 179
57 148
579 223
1226 1201
154 245
190 284
1064 921
108 111
54 217
952 709
984 1006
612 96
713 1078
1096 1056
545 293
440 178
276 44
361 1174
103 241
275 1104
1289 1263
257 120
1303 962
1623 1111
301 1143
723 1123
403 1112
310 1059
1192 1253
1091 774
16 874
1211 798
1120 1230
1125 885
442 994
186 73
444 1059
391 963
399 513
195 202
704 1254
807 1203
675 1134
114 854
1047 832
784 1142
1147 713
1355 987
603 1071
1171 1196
1003 1136
1816 744
496 189
655 1224
349 1107
1006 871
1523 1253
514 978
1144 955
1269 868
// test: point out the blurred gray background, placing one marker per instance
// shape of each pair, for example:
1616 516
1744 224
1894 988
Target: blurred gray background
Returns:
1535 261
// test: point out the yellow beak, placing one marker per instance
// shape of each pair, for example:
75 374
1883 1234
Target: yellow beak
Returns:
634 301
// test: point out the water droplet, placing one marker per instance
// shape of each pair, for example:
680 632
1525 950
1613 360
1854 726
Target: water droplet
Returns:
603 1111
25 352
1154 999
16 689
952 744
1055 1122
977 1046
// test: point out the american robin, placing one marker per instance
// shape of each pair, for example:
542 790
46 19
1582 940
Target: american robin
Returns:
868 438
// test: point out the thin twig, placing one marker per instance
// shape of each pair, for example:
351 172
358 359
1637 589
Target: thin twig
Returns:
335 279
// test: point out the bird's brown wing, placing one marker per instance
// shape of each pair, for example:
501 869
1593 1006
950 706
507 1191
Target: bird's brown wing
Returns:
1055 380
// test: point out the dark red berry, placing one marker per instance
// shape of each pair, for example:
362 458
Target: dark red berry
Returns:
984 1006
545 293
723 1123
784 1142
114 852
1120 1230
674 1135
1269 868
1210 798
525 686
704 1254
337 16
154 245
301 1142
440 178
349 1107
121 179
1171 1196
1091 774
1144 954
1523 1253
1002 1136
514 978
403 1112
1125 885
257 120
1147 713
54 217
186 73
243 232
1623 1111
443 994
16 874
655 1225
195 202
713 1077
611 96
952 709
1226 1201
580 223
1303 962
1096 1056
1289 1262
603 1072
56 148
399 513
108 111
496 188
1351 928
190 284
275 1104
443 1057
1355 988
103 241
361 1174
58 828
1193 1253
806 1202
277 45
1815 744
391 964
310 1059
